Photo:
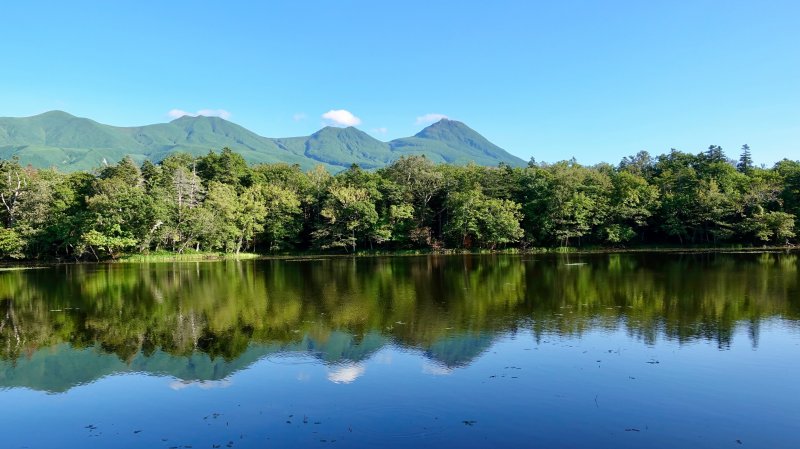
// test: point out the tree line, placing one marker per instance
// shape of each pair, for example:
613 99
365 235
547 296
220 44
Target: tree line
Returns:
218 203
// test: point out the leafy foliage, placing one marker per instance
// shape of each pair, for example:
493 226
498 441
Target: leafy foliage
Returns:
216 202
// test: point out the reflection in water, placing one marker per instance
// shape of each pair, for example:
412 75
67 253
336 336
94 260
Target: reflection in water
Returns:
201 322
202 384
345 373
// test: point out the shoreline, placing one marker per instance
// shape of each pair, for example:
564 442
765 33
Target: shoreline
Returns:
24 264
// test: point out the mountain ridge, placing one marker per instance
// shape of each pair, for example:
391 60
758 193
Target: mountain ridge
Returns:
67 142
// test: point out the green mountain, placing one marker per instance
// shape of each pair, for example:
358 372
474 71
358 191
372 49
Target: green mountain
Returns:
341 147
455 143
58 139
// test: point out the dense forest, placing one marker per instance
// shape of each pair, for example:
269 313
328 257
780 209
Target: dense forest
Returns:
217 203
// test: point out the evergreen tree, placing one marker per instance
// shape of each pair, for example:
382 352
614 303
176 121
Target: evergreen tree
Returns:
715 154
745 164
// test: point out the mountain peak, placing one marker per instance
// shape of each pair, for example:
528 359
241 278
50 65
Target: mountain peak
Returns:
446 126
348 134
197 118
54 114
337 130
345 146
452 141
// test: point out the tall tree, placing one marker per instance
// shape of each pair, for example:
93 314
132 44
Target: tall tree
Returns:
13 184
282 222
348 216
745 164
476 220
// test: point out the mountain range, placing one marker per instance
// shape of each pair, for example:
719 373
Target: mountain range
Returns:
69 143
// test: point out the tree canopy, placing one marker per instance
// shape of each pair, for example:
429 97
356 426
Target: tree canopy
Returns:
218 203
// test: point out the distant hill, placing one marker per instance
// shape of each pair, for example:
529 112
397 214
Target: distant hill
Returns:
58 139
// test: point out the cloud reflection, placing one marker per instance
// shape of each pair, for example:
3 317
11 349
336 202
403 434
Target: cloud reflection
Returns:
345 374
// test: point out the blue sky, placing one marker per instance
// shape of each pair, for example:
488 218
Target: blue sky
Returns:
597 80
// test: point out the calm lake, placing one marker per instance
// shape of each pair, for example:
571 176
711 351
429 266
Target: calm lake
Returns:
612 350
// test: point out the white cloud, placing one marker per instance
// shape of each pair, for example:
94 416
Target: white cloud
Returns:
341 117
381 130
345 374
221 113
299 116
177 113
429 118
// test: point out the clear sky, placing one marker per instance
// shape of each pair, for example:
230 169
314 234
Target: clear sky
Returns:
597 80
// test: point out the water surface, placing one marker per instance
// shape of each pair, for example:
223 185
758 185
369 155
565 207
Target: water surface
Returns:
614 350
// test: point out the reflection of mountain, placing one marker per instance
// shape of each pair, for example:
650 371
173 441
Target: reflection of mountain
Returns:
68 325
459 350
59 368
341 346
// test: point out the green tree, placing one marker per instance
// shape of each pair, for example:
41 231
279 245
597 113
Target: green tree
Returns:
226 168
633 201
419 176
282 222
120 209
774 227
111 242
745 164
566 201
13 185
790 192
465 215
11 244
239 217
348 216
501 224
475 219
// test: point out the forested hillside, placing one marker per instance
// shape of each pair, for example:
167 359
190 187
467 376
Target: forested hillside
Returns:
218 202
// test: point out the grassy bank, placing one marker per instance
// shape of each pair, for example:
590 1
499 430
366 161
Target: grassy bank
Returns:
573 250
185 257
218 256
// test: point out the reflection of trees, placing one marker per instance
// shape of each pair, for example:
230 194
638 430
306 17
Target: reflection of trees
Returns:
10 320
679 297
449 307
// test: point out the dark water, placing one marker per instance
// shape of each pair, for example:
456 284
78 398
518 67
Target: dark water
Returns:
640 350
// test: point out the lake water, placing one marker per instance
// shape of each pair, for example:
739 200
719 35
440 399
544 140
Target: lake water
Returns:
612 350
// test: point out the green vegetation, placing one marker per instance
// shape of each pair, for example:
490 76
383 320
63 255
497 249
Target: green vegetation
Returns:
189 256
60 140
217 203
